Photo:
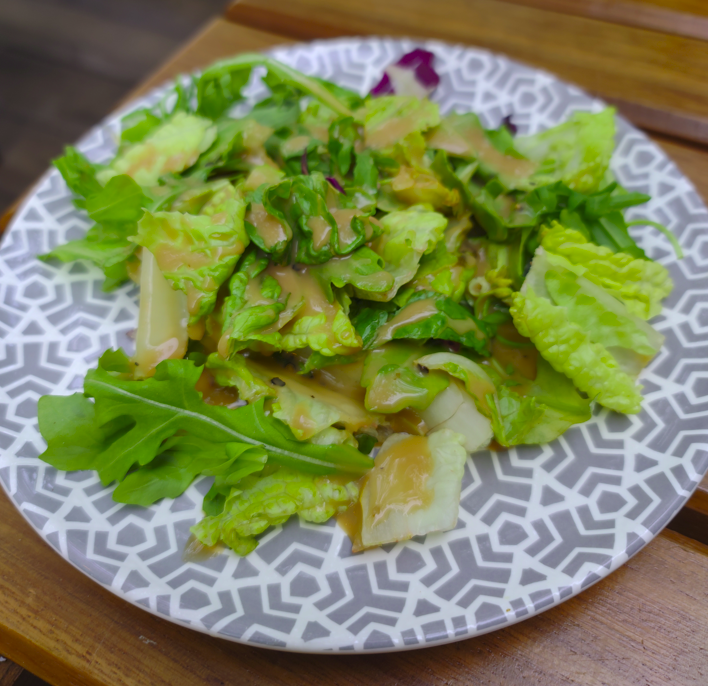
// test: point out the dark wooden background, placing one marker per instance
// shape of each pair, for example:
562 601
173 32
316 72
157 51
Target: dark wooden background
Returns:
64 64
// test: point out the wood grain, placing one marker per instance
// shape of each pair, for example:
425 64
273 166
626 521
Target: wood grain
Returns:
680 17
650 69
9 673
66 629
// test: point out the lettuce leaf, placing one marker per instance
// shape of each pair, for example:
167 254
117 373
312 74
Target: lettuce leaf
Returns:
173 146
576 152
307 408
259 502
362 269
387 520
320 227
390 118
428 316
115 208
407 236
542 413
641 284
394 381
197 253
284 309
570 350
79 174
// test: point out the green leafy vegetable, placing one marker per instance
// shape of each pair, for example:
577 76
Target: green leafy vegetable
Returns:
269 500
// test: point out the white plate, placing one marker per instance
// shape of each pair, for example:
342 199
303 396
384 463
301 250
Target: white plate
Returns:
537 524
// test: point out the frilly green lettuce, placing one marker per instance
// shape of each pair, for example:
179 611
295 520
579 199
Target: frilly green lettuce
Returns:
407 236
543 412
641 284
576 152
317 218
570 350
197 253
390 118
173 146
259 502
284 310
428 316
363 269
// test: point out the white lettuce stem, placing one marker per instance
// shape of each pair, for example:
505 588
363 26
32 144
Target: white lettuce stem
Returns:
162 322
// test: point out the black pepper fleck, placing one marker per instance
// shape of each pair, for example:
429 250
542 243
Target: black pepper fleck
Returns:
277 382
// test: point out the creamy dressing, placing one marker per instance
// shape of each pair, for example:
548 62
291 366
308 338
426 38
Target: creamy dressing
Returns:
321 232
355 417
269 228
343 219
473 142
392 131
212 393
398 481
417 312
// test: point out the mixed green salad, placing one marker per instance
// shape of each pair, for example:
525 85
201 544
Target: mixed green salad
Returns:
331 274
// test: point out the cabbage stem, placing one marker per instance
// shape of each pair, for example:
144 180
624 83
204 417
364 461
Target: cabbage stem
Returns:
162 322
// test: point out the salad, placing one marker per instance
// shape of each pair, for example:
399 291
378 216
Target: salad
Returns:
333 277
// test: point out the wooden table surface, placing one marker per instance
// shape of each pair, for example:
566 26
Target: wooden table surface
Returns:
645 624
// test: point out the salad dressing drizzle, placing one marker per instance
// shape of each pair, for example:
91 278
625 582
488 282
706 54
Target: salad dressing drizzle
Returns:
271 231
411 314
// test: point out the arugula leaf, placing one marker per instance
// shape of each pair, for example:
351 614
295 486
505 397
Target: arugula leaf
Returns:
136 125
219 86
78 173
120 201
185 458
131 422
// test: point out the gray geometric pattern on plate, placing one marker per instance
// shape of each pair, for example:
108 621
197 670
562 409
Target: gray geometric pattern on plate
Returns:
537 524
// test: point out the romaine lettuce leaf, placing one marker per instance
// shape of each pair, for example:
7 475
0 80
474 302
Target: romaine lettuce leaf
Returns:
197 253
463 135
414 488
173 146
259 502
576 152
285 310
428 316
641 284
363 269
394 381
543 412
390 118
456 410
407 236
570 350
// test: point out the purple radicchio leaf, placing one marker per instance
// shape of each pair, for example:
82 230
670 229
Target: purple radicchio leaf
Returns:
413 74
513 128
383 87
304 166
336 185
